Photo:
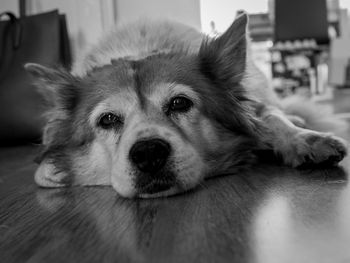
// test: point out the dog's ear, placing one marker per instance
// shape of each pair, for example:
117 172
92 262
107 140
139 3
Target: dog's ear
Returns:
57 86
223 59
60 90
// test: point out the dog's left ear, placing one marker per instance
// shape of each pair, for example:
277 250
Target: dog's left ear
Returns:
223 60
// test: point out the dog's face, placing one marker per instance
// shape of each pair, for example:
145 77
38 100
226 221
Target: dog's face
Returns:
149 127
149 130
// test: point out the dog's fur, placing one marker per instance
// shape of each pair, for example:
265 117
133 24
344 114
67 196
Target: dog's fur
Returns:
134 72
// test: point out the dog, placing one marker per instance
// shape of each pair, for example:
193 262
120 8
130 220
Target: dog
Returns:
156 107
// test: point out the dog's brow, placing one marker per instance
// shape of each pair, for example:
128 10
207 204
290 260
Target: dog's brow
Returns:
176 89
165 91
117 104
100 108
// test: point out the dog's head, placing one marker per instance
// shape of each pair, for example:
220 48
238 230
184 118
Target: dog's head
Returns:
149 127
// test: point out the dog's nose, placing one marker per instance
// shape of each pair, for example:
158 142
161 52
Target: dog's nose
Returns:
150 155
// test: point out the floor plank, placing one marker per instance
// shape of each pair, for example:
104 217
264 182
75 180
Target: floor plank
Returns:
268 214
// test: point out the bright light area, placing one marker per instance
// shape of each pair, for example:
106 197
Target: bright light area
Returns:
345 4
272 231
223 12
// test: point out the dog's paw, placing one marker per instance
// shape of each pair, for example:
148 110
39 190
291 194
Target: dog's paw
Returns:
46 176
313 148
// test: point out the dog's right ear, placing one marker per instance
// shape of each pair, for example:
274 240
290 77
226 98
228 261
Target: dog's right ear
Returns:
58 86
60 90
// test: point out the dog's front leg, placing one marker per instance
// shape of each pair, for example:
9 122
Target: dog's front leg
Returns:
299 146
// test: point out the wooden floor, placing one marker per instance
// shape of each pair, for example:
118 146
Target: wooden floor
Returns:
268 214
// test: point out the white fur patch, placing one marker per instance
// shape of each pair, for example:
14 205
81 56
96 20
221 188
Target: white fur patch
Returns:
93 168
46 176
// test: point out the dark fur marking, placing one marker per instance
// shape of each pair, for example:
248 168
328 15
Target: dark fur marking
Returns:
135 65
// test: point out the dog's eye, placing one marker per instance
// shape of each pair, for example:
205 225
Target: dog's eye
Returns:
109 120
180 104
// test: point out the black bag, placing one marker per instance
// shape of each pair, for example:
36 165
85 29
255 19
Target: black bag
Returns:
42 39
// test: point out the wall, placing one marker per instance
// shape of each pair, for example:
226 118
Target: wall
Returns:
9 5
185 11
340 52
89 19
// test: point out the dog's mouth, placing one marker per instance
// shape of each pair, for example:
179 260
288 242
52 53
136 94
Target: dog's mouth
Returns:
163 191
158 183
155 187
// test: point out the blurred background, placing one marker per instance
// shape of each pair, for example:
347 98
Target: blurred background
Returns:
303 46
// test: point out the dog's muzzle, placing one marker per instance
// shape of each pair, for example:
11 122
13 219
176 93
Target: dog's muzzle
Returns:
150 157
